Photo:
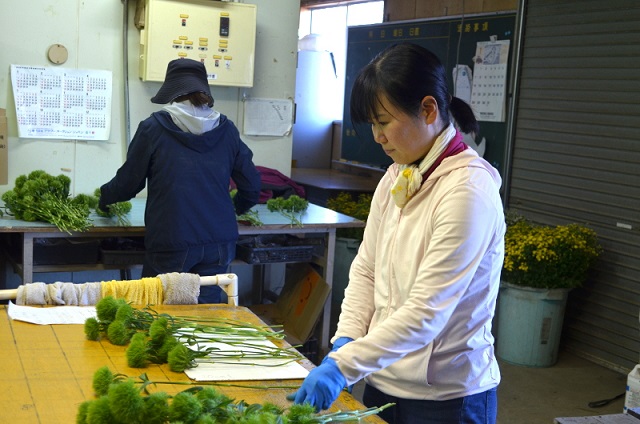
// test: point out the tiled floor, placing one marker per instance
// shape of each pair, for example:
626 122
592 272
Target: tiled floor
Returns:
538 395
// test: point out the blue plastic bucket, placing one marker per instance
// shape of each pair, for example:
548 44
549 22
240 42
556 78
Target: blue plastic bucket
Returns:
530 324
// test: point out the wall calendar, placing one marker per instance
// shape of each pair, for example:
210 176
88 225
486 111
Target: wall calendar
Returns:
62 103
488 92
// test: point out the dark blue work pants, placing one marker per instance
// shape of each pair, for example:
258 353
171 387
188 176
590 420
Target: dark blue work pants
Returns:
481 408
205 260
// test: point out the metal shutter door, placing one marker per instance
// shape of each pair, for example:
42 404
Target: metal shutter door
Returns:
576 157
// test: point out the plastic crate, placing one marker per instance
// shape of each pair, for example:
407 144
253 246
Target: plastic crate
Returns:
65 251
122 251
273 249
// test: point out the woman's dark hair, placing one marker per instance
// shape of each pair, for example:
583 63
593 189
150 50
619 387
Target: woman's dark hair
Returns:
405 73
196 98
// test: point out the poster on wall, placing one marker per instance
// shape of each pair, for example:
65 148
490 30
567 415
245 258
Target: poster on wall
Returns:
62 103
272 117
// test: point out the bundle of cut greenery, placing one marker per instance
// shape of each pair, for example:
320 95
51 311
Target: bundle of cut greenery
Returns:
40 196
250 217
117 210
162 338
43 197
120 399
292 208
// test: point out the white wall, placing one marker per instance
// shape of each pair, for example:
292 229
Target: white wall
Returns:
92 31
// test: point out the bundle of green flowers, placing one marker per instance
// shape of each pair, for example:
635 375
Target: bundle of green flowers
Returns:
39 196
549 257
162 338
121 399
291 207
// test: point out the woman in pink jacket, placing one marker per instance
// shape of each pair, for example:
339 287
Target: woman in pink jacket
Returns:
416 316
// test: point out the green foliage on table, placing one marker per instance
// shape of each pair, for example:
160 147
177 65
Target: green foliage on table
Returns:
543 256
40 196
291 208
250 217
154 338
357 207
121 399
118 210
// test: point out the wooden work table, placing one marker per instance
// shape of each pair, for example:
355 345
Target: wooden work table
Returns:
47 370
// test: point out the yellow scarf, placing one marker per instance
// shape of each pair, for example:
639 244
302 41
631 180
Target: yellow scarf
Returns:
409 179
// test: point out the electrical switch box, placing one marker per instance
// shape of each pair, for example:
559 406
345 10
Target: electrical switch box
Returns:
219 34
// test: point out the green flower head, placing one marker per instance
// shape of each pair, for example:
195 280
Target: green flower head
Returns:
107 307
99 412
159 330
92 329
125 401
162 353
124 313
179 358
118 332
185 407
156 408
83 410
137 354
102 379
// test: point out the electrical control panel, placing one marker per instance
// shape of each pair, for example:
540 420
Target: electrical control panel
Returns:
219 34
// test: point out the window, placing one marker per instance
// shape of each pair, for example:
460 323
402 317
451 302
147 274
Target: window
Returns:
330 24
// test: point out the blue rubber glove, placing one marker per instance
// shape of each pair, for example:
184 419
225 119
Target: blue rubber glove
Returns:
337 345
321 387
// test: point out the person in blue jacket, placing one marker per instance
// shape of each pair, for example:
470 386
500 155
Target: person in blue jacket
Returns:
186 154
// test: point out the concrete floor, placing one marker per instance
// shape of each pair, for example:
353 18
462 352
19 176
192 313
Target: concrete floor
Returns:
538 395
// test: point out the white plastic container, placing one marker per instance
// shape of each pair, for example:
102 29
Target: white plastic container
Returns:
632 397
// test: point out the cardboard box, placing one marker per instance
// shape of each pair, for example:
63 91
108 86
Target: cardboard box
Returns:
299 305
4 148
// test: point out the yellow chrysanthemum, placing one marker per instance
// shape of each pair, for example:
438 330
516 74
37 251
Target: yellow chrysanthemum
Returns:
545 256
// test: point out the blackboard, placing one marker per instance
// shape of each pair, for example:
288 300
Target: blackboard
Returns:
442 37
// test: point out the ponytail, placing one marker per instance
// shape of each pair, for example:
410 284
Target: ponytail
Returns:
462 113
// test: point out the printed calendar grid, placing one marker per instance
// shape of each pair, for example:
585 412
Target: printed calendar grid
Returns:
488 90
61 103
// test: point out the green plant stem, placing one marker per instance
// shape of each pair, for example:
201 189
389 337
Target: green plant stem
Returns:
352 415
212 325
144 380
62 214
251 217
243 349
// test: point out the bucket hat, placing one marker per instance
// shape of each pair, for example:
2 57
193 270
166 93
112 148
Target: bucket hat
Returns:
184 76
